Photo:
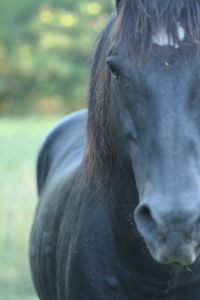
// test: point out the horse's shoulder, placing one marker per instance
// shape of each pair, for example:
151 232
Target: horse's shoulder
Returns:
64 139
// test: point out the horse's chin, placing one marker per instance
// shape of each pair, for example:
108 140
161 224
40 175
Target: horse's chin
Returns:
184 255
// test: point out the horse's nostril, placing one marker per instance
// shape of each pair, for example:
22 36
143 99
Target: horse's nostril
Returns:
198 222
197 248
145 211
144 220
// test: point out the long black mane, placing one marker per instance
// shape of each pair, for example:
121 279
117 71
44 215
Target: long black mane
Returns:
135 22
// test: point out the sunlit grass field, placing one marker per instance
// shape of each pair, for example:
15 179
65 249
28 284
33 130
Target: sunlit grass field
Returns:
19 142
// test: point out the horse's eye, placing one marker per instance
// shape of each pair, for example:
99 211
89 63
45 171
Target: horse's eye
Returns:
113 68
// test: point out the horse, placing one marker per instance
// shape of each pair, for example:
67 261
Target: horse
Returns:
119 184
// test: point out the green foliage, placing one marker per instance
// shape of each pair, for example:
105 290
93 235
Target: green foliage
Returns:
45 51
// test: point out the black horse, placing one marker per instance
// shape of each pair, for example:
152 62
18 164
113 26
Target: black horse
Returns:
119 185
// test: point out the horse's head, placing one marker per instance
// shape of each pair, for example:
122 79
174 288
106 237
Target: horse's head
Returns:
156 115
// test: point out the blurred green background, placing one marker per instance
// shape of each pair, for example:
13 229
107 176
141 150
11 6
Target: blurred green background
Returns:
45 55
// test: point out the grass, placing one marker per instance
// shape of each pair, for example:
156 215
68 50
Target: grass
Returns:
19 143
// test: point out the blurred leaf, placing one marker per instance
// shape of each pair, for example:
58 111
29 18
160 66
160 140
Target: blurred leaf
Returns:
45 49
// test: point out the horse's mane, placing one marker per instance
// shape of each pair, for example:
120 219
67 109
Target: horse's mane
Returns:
139 20
134 23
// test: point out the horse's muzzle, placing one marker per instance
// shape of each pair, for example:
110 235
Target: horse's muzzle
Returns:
172 236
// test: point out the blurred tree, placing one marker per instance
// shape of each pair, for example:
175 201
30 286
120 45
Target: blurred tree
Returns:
44 52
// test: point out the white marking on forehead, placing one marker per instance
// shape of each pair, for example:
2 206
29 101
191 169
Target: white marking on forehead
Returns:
181 33
161 38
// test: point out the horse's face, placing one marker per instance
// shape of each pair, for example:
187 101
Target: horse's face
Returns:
156 111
